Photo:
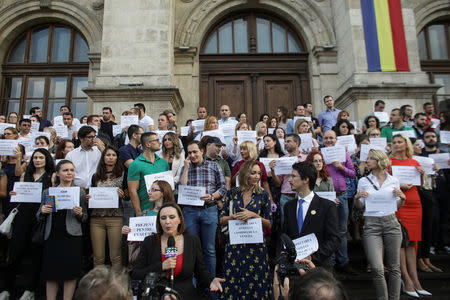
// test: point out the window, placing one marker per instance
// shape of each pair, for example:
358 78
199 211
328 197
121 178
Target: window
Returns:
434 52
252 34
47 67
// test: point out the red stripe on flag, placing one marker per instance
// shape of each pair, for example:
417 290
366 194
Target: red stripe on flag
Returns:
398 35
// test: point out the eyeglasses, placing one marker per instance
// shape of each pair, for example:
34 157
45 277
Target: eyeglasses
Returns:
155 190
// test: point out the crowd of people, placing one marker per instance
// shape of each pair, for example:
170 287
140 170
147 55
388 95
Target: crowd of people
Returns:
345 180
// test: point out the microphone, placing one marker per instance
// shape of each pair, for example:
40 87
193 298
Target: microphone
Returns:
171 251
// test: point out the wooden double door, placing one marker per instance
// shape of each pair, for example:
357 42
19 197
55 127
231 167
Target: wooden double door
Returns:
253 84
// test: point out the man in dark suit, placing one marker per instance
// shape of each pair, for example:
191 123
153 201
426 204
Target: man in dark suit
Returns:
309 213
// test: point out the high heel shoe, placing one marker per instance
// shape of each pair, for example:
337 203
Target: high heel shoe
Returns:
423 292
411 294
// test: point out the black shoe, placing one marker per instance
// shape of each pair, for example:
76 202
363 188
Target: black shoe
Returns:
347 269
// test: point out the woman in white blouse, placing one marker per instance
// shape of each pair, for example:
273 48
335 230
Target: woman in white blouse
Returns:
381 228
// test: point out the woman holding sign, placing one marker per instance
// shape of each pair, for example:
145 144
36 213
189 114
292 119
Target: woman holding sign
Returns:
410 215
39 170
381 228
107 221
187 261
61 260
172 151
246 266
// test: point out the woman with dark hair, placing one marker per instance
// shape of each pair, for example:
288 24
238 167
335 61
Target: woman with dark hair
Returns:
342 127
371 122
241 117
62 249
108 221
40 169
272 124
343 115
246 266
189 261
13 118
172 152
41 141
324 182
282 115
264 117
64 147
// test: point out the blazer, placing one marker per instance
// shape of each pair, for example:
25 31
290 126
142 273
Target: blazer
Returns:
321 219
149 260
177 165
73 223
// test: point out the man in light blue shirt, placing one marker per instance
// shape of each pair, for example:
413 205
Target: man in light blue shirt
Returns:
298 112
225 113
328 117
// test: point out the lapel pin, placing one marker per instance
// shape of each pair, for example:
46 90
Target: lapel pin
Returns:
313 212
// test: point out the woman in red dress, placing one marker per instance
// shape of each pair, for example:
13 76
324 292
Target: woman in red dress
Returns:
410 215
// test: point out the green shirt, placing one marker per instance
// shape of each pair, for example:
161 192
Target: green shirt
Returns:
141 167
388 131
223 165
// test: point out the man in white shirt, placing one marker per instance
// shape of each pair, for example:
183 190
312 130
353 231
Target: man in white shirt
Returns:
225 114
68 121
145 121
59 119
85 158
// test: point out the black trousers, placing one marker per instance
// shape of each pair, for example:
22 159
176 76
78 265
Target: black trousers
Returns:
428 202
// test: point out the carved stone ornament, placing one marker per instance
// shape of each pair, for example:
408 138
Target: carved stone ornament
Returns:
186 1
97 4
44 3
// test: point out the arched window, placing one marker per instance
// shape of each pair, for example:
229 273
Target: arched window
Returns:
434 51
251 34
46 66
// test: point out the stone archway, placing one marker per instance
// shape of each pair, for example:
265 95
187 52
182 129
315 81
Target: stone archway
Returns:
430 11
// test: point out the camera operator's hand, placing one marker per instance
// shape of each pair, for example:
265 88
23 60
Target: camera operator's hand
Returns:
170 297
308 262
169 263
277 287
215 285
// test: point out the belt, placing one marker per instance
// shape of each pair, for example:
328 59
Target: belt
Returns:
340 193
210 204
290 195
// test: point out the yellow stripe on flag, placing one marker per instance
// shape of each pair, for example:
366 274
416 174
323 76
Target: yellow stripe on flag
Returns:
385 43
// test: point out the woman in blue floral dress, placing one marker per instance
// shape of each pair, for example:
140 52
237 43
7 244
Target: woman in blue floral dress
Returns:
246 266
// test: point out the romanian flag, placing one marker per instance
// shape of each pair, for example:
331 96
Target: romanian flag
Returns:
384 35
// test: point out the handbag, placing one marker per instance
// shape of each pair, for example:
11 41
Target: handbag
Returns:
7 226
405 236
38 231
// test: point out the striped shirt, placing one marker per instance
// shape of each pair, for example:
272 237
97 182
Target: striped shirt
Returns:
208 174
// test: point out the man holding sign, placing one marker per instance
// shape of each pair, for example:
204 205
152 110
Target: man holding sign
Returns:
339 171
202 220
308 213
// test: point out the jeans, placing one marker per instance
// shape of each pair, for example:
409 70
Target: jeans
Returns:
341 254
384 232
283 200
203 223
100 228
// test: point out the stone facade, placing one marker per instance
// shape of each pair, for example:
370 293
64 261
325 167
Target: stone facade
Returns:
157 44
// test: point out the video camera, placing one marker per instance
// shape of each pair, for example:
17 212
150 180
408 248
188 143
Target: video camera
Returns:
286 260
155 286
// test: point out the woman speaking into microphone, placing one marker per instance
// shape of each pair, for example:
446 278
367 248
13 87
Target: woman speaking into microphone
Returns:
187 262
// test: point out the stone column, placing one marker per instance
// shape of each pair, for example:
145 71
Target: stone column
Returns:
137 57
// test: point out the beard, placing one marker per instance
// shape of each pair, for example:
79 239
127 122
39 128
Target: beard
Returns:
431 144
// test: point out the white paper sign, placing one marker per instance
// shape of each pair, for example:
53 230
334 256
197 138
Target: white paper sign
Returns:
270 130
381 200
306 245
445 137
408 133
382 116
441 160
327 195
190 195
58 120
141 227
184 131
129 120
198 125
35 126
116 130
347 141
355 124
407 175
332 154
61 131
426 163
28 143
6 125
435 122
164 176
306 141
162 133
380 142
364 151
67 197
27 192
246 135
283 165
214 133
249 232
42 133
7 146
228 129
103 197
